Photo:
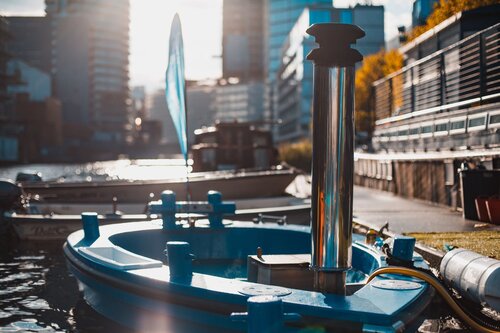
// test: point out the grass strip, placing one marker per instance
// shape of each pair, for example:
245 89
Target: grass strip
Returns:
485 242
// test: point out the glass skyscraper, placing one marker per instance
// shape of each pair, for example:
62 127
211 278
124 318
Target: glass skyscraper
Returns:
280 19
90 42
294 78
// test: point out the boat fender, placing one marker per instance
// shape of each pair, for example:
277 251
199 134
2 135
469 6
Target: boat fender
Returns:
10 194
180 261
399 250
28 177
265 315
90 222
474 276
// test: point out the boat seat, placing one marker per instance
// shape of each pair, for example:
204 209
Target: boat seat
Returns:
118 258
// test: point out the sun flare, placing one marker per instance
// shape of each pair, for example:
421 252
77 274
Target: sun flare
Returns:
149 32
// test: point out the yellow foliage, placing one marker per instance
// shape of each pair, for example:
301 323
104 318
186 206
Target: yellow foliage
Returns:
297 154
374 67
445 9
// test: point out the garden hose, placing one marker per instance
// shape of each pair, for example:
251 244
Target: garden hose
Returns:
440 289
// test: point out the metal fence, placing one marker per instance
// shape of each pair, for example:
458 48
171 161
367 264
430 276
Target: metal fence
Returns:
463 74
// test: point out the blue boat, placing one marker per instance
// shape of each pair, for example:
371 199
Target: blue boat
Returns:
218 275
125 275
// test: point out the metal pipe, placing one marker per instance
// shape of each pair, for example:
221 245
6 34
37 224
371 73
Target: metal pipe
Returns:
333 154
332 173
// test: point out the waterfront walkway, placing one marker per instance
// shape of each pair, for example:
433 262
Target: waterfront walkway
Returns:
404 215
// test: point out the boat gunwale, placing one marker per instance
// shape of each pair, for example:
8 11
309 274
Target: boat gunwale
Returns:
292 302
199 177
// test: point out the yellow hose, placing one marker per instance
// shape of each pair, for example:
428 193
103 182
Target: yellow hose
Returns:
439 288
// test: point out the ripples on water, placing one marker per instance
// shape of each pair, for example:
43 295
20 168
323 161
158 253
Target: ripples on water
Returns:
37 294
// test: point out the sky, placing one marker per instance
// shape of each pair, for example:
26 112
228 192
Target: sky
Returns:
202 32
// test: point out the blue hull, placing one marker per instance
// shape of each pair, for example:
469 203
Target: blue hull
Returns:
146 299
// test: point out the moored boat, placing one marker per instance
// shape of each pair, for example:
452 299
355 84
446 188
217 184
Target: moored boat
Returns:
239 184
124 276
36 222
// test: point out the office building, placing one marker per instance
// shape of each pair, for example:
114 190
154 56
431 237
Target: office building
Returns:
240 102
90 41
280 17
294 81
200 106
156 109
421 10
28 80
31 41
243 39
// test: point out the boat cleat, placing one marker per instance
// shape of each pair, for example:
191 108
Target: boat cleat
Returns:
214 207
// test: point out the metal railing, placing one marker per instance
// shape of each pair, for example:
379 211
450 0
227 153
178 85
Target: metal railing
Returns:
463 74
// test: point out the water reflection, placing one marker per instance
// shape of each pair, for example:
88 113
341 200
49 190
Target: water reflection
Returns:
143 169
37 294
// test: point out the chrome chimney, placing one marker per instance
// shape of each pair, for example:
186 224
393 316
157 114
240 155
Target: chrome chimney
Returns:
333 153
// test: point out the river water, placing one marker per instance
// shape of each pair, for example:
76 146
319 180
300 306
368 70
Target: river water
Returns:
37 294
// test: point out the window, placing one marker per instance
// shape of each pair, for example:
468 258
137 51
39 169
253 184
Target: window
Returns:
441 128
494 120
477 123
457 125
414 131
426 129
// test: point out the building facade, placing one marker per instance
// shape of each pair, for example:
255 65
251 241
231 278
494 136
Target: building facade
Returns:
200 107
443 99
295 76
243 39
421 9
31 41
156 109
240 102
90 41
440 114
280 17
29 80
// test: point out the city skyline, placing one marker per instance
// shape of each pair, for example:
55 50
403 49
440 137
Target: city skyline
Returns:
151 18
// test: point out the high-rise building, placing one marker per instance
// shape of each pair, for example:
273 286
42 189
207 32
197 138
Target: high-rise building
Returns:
243 39
31 41
280 17
421 10
156 109
90 40
200 107
240 102
294 80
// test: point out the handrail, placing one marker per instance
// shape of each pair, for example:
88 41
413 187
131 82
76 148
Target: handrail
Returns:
461 74
430 56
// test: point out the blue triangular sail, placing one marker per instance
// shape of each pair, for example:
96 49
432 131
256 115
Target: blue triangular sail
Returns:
175 83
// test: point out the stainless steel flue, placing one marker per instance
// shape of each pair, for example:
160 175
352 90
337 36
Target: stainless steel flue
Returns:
333 153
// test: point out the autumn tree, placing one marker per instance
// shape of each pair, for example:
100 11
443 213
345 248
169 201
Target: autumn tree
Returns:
445 9
374 67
